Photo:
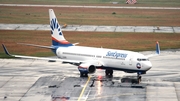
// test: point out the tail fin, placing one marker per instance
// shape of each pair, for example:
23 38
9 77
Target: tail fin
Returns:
56 32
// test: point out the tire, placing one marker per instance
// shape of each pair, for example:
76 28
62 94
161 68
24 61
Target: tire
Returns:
85 74
107 72
81 74
111 72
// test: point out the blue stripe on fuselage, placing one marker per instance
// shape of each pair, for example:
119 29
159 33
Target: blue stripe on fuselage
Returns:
55 43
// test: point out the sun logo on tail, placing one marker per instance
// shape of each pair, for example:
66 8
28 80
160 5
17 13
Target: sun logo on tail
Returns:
55 26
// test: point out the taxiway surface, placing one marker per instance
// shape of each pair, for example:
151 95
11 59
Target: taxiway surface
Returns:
37 80
93 28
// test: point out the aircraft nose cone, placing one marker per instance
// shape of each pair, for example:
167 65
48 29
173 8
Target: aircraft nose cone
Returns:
148 65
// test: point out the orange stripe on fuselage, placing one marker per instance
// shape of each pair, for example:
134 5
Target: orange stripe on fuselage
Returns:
61 42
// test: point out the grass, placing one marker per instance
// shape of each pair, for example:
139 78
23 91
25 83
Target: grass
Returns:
91 16
145 3
126 41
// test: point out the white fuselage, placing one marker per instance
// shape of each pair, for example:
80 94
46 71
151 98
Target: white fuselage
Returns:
110 58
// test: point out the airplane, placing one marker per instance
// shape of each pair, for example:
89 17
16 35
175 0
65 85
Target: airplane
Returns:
88 59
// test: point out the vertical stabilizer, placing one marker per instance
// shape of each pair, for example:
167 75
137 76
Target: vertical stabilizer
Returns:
56 32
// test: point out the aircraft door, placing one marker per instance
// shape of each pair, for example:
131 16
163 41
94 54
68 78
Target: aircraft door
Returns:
130 60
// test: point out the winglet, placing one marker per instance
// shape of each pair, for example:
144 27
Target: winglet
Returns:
5 50
157 48
157 51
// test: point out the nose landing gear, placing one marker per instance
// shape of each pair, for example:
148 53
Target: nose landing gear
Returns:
139 77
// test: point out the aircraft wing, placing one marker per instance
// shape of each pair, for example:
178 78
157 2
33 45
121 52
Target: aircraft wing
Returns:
49 47
92 62
74 62
38 58
157 51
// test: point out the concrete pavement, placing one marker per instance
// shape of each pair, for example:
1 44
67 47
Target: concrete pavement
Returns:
38 80
93 28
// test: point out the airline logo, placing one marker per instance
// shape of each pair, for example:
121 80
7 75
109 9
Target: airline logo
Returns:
116 54
138 65
54 25
57 35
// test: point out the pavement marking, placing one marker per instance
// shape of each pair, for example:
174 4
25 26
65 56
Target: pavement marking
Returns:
84 88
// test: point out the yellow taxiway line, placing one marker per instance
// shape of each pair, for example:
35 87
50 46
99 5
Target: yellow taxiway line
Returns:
84 88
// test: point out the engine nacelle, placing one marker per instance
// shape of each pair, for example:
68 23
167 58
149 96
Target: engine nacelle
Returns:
87 68
91 69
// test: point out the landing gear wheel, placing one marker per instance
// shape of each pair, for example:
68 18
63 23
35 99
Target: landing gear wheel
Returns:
138 78
86 75
109 72
106 72
83 74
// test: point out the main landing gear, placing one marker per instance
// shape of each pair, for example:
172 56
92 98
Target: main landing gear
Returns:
83 74
109 72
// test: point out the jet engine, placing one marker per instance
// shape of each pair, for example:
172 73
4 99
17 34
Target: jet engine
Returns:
86 68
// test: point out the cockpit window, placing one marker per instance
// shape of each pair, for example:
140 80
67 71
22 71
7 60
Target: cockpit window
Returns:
139 59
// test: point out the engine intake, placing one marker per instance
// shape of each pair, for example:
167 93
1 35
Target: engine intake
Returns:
91 69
